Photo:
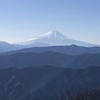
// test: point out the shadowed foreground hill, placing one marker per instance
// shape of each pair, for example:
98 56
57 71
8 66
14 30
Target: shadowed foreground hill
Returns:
45 82
89 95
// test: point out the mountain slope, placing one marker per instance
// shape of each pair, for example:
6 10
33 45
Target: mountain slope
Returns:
70 50
19 60
35 59
15 84
46 82
54 38
70 81
88 95
4 47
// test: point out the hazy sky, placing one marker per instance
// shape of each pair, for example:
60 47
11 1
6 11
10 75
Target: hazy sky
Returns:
23 19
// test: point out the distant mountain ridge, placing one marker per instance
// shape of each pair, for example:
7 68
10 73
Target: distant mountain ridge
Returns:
4 47
69 50
22 60
52 38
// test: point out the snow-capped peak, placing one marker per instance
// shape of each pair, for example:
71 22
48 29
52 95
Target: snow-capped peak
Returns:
53 35
54 38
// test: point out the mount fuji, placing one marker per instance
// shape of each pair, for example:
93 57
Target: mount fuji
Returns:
54 38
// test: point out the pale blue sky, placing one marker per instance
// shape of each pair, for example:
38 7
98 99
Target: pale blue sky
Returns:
23 19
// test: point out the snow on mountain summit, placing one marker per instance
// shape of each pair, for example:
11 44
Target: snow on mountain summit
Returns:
53 35
54 38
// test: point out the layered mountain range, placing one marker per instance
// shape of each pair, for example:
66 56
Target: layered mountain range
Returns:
23 60
50 67
52 38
